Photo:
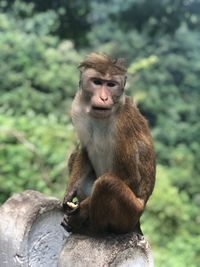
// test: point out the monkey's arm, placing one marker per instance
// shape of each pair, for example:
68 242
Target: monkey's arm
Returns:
147 169
80 176
142 172
80 170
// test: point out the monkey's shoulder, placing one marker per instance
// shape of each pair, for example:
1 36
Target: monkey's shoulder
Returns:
131 107
131 119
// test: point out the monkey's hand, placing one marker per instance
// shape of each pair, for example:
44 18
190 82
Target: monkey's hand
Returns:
71 203
76 220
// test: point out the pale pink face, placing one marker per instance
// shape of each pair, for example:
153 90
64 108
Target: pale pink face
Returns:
102 92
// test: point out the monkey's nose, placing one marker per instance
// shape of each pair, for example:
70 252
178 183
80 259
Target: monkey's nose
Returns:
104 98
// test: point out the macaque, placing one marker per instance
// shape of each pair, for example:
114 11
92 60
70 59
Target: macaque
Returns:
112 171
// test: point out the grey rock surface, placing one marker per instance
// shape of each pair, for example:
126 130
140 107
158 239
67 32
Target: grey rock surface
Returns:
130 250
30 231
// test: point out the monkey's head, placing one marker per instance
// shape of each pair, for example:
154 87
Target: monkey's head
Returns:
102 82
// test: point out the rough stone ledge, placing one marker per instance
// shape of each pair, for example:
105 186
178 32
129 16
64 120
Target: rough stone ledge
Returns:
31 236
130 250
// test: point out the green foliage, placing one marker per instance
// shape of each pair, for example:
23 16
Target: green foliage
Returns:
38 74
33 154
153 16
71 16
38 79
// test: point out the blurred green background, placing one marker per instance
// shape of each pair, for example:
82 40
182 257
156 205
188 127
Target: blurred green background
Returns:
41 44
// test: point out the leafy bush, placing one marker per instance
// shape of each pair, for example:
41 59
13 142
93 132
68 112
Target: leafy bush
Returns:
33 154
40 72
38 79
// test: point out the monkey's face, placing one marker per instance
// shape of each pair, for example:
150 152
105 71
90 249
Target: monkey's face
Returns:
102 93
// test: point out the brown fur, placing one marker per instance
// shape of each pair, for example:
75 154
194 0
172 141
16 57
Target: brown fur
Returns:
103 64
117 196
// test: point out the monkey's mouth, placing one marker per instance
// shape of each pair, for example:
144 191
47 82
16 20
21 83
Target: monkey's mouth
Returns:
98 111
101 108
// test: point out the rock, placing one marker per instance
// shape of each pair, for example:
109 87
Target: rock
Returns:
30 231
130 250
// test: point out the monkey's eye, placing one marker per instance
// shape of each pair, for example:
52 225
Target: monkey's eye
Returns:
97 82
111 84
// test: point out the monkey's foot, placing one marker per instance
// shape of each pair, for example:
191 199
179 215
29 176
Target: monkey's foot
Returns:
75 223
65 224
72 223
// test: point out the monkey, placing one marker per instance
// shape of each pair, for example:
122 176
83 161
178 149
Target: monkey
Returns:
112 171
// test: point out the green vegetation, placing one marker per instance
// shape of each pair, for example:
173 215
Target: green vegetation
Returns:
41 45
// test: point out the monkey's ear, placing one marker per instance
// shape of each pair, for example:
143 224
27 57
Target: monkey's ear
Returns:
125 78
80 80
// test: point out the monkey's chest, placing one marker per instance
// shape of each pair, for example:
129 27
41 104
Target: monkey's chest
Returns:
101 155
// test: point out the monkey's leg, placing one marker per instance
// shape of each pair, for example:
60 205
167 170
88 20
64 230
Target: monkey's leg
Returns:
113 206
